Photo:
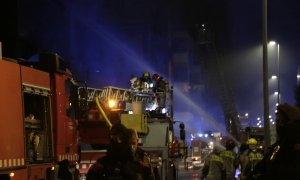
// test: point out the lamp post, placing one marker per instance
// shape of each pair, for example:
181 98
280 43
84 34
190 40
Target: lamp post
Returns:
298 76
265 73
278 80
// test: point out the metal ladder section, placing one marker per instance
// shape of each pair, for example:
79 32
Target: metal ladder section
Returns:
116 93
88 93
122 94
104 94
110 92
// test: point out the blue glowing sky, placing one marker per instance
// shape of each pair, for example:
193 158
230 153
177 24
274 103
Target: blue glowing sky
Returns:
103 47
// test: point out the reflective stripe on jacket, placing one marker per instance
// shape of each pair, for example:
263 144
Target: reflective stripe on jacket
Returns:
216 168
230 163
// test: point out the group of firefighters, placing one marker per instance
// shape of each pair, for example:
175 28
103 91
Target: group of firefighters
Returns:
146 83
155 84
280 161
223 163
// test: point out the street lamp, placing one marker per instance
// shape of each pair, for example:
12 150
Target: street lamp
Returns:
273 77
273 43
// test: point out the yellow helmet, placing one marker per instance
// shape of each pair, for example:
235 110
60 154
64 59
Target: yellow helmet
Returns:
252 141
146 74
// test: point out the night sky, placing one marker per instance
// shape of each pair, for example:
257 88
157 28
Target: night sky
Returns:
103 48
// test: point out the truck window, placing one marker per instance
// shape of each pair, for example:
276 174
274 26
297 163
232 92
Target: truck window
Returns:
71 89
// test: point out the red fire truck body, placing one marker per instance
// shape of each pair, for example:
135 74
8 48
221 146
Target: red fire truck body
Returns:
37 128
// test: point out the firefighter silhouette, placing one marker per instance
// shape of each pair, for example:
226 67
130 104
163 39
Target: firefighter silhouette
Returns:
34 139
135 83
146 82
160 87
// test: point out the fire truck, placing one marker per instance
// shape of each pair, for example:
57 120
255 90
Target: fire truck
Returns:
38 121
196 149
196 153
53 126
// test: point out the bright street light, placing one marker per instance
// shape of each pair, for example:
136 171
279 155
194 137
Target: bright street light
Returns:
274 77
273 43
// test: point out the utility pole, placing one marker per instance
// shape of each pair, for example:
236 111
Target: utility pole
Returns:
265 75
298 76
278 79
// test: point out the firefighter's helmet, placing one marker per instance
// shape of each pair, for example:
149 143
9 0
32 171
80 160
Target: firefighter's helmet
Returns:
155 76
146 74
217 149
119 134
230 144
252 144
252 141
